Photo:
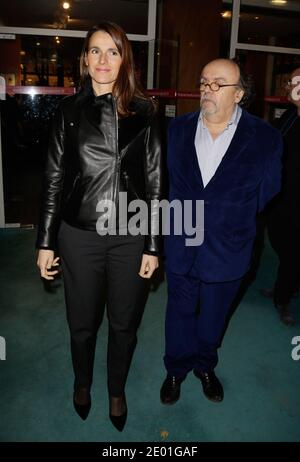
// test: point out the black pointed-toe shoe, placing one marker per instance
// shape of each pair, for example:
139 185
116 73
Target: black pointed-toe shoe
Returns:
212 387
119 421
82 402
117 405
170 390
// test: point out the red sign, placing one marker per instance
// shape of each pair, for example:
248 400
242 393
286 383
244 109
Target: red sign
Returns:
159 93
32 90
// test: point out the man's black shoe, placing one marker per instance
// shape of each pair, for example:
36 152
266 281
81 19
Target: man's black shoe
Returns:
267 293
285 315
170 390
212 387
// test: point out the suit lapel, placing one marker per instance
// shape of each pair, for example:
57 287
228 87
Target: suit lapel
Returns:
189 136
239 142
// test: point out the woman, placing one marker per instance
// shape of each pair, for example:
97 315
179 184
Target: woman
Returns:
104 141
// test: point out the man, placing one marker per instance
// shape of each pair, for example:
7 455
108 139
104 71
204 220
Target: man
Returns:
283 213
230 160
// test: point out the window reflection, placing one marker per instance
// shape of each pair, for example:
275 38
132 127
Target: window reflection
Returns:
45 61
265 24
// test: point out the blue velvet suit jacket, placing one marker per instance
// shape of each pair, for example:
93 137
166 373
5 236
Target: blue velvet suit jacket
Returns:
248 176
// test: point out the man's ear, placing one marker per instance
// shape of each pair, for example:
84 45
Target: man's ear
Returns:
239 95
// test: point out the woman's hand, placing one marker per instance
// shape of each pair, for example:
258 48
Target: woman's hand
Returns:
148 266
45 261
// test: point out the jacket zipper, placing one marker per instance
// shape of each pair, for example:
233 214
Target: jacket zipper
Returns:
75 181
118 160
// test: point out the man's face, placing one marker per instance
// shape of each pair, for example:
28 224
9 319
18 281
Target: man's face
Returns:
220 103
294 88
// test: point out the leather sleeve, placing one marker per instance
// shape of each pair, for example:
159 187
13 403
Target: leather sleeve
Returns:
154 186
53 183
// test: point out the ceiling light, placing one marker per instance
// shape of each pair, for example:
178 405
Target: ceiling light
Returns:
226 14
66 5
278 2
38 44
32 92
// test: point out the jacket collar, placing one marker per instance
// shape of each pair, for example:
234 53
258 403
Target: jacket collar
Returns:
244 132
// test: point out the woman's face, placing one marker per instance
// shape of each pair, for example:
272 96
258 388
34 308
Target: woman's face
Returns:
104 61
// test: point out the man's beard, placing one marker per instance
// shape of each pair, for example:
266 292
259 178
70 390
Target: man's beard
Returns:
208 111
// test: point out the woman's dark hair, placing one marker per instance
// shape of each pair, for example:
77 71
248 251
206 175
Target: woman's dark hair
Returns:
126 85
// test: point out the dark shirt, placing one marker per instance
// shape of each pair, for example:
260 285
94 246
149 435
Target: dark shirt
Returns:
284 209
289 125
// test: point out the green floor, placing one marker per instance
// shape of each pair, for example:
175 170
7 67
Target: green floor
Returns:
261 380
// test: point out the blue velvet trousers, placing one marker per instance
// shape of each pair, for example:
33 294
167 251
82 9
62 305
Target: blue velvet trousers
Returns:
195 320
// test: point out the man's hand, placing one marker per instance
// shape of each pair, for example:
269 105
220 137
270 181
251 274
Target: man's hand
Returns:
148 266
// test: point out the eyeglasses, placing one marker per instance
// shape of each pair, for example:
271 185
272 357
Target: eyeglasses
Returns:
215 86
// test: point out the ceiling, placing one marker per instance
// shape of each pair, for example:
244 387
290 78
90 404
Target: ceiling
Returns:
132 15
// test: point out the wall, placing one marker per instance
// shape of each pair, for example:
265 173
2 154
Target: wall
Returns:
10 58
195 26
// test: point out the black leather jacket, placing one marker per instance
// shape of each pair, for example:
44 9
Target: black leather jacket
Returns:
92 156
